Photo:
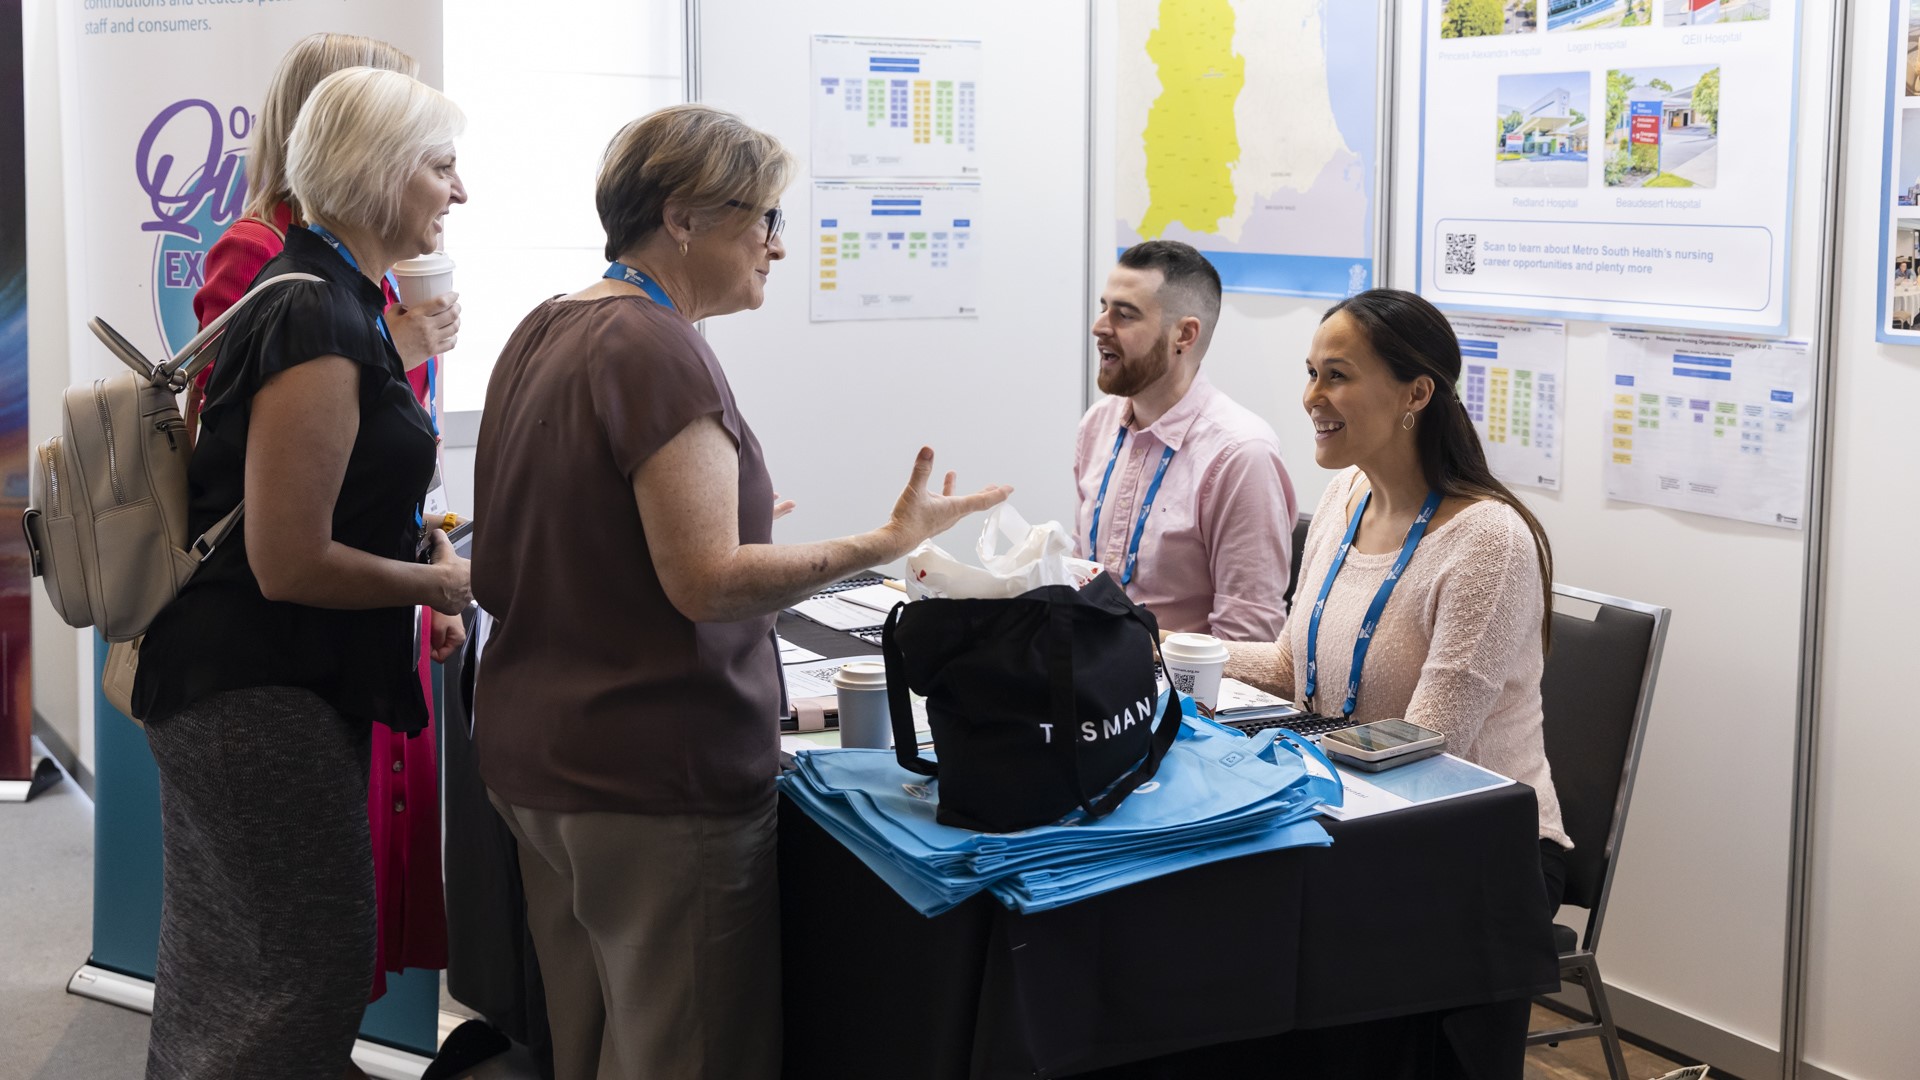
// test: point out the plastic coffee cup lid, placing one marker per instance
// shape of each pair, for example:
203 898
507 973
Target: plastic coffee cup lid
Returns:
861 675
1194 648
433 262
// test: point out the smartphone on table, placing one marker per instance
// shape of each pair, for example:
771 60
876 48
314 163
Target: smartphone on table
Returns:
1382 744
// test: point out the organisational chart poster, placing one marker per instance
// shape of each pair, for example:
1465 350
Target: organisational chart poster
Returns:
1282 206
1899 306
1512 382
895 250
1710 424
885 107
1640 166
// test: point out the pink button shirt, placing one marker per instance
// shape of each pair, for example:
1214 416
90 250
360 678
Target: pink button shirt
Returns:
1213 558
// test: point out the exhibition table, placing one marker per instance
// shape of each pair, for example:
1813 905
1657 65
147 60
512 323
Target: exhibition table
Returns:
1410 947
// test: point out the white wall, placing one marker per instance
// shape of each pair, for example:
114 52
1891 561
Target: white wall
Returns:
62 657
841 408
1864 969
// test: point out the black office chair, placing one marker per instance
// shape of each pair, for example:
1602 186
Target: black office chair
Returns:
1595 693
1299 546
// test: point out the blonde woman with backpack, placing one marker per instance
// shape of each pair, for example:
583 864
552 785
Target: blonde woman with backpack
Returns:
405 773
263 681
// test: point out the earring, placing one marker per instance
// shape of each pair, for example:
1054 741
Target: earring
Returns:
1406 422
683 250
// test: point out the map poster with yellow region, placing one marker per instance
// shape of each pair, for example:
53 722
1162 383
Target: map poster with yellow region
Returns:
1247 129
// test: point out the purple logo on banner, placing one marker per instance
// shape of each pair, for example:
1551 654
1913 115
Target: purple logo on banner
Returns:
192 198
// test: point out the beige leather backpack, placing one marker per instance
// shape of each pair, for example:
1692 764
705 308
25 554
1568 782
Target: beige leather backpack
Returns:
106 520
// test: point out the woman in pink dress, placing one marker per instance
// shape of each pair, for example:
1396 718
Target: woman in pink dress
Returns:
403 804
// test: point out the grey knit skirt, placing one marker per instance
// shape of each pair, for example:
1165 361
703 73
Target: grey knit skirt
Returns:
267 919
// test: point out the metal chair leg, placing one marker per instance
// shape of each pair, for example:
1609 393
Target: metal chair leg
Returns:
1609 1035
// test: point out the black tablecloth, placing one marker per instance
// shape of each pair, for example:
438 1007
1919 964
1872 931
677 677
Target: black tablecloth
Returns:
1410 947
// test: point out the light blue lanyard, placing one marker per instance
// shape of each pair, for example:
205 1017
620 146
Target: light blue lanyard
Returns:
333 241
622 272
1414 532
1146 508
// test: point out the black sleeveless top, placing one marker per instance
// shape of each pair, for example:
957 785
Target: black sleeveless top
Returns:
220 633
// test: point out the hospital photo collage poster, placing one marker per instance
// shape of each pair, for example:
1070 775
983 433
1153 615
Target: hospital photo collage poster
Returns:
1638 171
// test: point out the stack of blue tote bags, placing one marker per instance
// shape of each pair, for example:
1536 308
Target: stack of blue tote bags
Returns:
1218 795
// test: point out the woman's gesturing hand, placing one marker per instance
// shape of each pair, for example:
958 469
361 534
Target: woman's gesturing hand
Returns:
920 513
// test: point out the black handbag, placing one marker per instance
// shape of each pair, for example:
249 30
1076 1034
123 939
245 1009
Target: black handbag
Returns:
1039 704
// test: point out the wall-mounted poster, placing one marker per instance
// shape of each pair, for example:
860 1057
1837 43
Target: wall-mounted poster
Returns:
896 250
1513 380
1247 129
890 107
1710 424
1900 183
1641 165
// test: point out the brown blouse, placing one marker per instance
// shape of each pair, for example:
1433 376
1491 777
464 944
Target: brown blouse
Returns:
596 694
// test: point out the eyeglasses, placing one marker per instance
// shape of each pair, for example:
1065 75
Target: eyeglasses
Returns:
776 219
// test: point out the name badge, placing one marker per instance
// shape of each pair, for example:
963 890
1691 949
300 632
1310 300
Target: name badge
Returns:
434 506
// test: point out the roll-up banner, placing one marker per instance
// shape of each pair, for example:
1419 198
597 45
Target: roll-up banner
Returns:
16 630
159 99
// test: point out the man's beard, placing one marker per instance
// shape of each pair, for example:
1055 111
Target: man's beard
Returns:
1130 376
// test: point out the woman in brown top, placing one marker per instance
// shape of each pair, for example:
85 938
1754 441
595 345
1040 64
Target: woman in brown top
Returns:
626 712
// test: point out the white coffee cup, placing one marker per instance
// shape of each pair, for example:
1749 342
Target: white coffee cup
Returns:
423 277
1195 663
865 720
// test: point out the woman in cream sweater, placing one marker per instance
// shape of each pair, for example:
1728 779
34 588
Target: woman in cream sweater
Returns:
1424 584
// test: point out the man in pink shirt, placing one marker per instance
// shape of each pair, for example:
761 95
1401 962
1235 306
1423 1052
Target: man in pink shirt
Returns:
1182 495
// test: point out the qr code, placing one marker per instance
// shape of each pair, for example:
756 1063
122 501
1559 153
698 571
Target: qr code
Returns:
1183 681
1460 252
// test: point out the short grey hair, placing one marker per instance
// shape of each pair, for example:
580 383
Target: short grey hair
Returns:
704 157
361 135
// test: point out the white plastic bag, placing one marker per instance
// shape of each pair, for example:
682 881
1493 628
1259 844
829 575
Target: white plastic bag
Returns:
1036 555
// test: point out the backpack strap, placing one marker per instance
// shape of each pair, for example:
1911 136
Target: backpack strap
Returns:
195 355
202 548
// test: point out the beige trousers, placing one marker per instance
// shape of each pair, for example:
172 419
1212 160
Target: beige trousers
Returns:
658 939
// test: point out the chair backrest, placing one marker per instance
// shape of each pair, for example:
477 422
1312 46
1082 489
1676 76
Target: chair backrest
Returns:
1595 693
1299 547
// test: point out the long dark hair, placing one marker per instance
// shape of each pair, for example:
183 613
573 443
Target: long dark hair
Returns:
1415 339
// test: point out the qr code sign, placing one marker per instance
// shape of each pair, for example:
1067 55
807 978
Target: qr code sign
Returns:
1183 681
1460 251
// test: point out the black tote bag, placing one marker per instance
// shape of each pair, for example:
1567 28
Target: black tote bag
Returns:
1039 704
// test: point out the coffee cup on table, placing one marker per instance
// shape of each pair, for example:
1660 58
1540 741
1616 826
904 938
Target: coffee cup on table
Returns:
865 719
1195 663
423 277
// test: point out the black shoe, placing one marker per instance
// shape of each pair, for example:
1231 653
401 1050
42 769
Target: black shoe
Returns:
466 1047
